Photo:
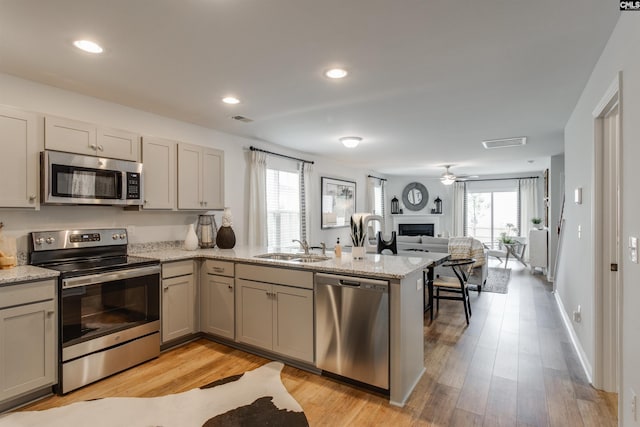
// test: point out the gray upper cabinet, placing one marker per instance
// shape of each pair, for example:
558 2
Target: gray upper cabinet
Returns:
74 136
200 177
159 159
21 136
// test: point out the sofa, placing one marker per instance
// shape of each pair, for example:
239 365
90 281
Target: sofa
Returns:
415 245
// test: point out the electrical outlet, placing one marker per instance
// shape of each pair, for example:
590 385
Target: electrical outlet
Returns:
579 232
634 406
419 285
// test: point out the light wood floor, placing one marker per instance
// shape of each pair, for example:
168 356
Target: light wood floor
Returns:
513 366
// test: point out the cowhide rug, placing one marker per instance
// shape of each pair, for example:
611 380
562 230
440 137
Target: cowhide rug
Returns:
255 398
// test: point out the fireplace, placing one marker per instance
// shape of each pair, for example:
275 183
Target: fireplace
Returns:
416 229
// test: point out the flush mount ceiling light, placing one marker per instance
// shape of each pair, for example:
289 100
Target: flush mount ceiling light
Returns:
230 100
350 141
505 142
88 46
447 177
336 73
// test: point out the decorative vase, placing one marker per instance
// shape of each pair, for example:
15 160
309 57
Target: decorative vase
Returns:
226 238
357 252
191 240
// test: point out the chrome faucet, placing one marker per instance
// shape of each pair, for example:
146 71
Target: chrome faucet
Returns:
304 245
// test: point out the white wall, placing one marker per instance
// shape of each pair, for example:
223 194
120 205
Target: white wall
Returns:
395 185
575 279
154 226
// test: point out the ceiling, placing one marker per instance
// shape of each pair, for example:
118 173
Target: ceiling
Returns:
428 79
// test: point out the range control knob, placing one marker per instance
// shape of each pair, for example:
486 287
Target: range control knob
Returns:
123 236
39 241
50 240
115 236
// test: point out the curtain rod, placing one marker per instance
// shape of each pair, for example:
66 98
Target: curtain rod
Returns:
499 179
376 177
252 148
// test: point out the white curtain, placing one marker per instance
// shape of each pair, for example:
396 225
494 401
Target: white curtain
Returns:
458 208
528 207
371 198
258 199
307 190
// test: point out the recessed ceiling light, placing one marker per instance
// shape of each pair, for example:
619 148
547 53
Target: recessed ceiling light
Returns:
230 100
350 141
336 73
88 46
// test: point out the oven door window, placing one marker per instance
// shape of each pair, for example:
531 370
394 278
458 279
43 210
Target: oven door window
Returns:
100 309
85 183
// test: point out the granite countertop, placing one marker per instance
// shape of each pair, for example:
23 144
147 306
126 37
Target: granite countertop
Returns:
26 273
373 265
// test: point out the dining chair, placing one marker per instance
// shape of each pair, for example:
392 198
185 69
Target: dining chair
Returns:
455 285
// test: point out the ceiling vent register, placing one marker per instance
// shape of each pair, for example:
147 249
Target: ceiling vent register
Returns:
504 143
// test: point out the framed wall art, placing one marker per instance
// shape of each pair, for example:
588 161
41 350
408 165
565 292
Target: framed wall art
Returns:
338 202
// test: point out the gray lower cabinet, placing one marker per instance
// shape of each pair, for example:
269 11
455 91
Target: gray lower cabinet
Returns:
274 310
217 298
178 300
28 338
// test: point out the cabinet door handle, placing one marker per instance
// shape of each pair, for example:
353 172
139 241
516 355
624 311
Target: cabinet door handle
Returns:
205 203
166 288
230 287
50 312
32 197
100 147
218 269
93 146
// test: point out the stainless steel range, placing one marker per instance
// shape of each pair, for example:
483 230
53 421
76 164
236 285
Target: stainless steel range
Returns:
109 303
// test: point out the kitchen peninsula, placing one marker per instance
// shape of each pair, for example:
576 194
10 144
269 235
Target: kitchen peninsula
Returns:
403 273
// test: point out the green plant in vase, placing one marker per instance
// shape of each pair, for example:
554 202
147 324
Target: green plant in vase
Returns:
537 222
358 236
506 237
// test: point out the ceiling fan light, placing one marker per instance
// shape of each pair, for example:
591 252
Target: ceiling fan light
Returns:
350 141
447 179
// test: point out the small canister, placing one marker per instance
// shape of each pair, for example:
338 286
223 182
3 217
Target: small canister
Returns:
8 251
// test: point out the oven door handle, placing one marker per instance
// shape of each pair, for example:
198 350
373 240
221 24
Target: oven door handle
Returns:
92 279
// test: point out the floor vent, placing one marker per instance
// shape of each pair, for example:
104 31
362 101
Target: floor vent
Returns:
242 119
503 143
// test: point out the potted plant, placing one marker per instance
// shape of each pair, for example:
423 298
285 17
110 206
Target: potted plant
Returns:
506 236
358 235
537 222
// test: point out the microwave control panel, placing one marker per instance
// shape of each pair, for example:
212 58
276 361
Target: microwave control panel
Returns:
133 185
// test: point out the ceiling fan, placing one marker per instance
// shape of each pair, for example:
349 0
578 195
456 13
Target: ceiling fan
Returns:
448 178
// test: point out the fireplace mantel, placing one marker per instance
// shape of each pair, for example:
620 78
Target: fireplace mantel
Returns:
417 219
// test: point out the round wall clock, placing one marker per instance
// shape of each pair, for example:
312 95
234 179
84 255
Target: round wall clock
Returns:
415 196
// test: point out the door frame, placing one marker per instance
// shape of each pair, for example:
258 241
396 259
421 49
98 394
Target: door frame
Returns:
607 292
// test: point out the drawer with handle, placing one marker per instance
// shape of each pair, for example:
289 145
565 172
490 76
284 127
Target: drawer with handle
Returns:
220 268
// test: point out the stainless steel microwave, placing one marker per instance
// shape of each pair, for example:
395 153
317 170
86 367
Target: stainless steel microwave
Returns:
86 180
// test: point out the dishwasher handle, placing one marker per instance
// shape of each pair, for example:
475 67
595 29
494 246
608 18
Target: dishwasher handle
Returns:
351 283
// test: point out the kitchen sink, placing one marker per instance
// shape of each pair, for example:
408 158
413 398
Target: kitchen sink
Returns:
276 256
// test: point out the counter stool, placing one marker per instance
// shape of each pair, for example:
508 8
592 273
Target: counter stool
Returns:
455 285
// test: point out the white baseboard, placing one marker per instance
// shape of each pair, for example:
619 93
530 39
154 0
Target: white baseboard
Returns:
586 366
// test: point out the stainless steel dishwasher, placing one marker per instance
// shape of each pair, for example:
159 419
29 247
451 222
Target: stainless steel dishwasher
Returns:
352 328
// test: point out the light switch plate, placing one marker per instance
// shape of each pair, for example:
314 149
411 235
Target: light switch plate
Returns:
633 249
577 195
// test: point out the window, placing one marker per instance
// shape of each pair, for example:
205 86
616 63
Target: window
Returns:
491 208
283 206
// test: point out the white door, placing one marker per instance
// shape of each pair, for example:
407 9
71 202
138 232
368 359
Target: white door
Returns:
19 161
218 305
293 322
159 159
69 135
27 348
254 313
118 144
189 177
213 178
607 241
178 307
